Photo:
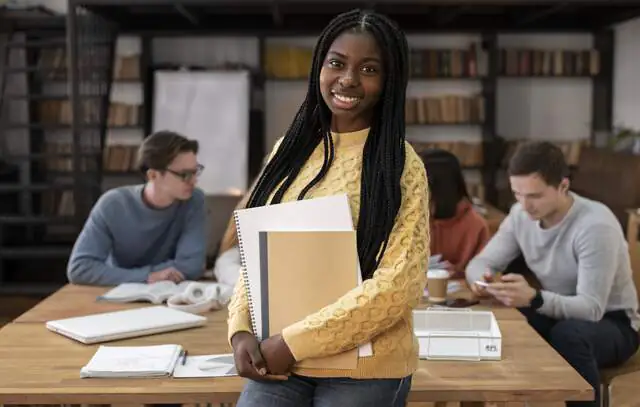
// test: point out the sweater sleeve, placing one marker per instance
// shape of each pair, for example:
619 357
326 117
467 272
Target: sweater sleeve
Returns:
190 257
501 250
88 262
239 319
597 249
380 302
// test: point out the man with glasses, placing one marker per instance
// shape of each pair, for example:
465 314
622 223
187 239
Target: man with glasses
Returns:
150 232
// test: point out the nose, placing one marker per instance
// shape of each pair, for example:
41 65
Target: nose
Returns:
349 79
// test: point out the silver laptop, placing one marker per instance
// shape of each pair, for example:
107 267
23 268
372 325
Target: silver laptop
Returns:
131 323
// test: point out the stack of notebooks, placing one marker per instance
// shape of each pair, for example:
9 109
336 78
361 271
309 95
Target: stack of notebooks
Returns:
288 250
133 361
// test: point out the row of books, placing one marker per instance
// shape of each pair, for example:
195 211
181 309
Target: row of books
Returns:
571 150
54 62
469 154
294 62
116 158
59 112
445 63
58 203
287 62
447 109
536 62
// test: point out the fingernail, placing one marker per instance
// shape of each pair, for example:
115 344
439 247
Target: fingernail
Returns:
262 371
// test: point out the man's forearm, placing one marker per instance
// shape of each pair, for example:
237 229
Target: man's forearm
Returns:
94 272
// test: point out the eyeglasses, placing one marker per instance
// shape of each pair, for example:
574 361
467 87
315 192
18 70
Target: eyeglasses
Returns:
187 175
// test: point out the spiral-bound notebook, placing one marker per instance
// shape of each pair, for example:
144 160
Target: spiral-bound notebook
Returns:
293 265
331 213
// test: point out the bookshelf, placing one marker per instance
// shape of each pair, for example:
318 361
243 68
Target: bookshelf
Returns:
126 119
461 51
37 232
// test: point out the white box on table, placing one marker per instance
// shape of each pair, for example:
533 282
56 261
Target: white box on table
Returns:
457 334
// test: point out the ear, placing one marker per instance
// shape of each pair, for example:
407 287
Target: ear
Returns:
564 185
152 175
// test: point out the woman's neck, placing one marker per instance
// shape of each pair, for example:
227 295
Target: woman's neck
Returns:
349 126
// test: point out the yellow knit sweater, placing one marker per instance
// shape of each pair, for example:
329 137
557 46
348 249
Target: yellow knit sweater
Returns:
380 310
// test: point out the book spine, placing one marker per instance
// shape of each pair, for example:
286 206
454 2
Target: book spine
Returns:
245 275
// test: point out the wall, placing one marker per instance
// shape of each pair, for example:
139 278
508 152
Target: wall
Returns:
626 87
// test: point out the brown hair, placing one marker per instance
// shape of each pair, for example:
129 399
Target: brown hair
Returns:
542 158
161 148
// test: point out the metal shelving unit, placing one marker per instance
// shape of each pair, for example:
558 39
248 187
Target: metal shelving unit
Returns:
47 188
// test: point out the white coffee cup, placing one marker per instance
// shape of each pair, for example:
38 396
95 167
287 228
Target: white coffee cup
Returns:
437 280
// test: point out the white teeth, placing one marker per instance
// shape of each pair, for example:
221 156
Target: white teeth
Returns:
346 99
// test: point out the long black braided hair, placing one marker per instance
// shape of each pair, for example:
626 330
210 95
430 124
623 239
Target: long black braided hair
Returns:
384 149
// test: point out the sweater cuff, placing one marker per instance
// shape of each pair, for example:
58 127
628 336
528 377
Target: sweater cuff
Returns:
237 324
300 341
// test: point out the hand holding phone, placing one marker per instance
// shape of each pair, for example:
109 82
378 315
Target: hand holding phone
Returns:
479 287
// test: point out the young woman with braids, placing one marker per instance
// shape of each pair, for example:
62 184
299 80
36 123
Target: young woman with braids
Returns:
348 137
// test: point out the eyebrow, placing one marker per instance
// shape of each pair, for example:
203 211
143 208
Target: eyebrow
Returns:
367 59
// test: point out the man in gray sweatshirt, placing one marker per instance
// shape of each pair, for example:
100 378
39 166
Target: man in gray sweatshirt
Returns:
151 232
587 308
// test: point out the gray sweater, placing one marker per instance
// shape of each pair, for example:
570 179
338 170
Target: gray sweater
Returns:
123 239
582 263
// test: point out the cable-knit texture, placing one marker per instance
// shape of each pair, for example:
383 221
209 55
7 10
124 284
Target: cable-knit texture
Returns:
380 310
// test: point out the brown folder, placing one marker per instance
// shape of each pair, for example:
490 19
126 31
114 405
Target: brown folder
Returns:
302 272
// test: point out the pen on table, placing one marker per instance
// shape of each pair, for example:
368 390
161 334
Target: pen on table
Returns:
184 357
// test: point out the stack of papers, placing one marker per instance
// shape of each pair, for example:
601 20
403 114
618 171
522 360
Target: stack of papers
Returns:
132 361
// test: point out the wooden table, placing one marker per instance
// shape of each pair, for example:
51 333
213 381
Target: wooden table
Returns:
41 367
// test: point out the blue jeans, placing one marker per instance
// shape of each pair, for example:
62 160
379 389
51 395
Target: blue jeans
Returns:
299 391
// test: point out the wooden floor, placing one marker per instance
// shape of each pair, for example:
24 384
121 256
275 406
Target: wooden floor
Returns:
624 391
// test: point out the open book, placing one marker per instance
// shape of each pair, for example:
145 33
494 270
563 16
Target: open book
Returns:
133 361
155 361
156 293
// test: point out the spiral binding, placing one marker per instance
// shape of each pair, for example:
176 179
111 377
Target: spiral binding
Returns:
245 275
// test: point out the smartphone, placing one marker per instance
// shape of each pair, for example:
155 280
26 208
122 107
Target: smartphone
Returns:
461 303
481 283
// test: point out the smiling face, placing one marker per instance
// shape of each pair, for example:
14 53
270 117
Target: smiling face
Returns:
351 80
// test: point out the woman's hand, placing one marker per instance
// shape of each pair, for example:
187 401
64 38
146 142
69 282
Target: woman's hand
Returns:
247 356
277 355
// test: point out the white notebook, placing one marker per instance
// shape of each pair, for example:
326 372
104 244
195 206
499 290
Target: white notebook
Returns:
130 323
132 361
331 213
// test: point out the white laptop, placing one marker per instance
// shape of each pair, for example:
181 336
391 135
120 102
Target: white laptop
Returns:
131 323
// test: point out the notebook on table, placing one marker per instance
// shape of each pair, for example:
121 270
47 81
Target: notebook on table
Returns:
168 360
131 323
293 267
133 361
